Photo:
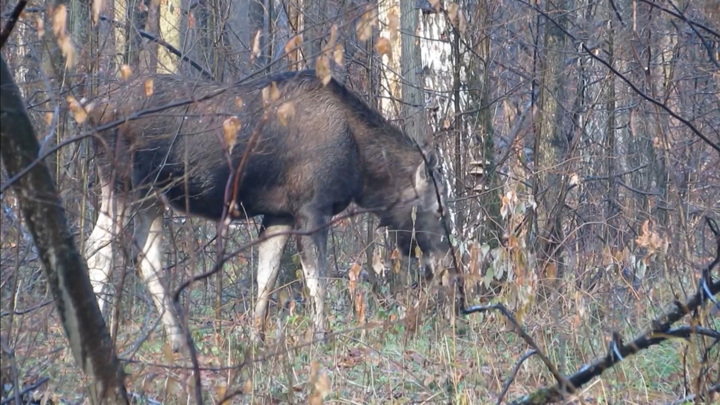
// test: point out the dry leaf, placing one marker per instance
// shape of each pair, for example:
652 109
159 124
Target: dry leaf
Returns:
125 71
364 27
96 7
435 4
393 23
453 12
339 55
168 354
333 38
383 47
359 304
322 70
294 43
149 84
191 20
248 387
231 127
77 110
40 27
270 93
59 20
68 50
354 276
285 112
49 117
221 390
239 103
255 47
322 385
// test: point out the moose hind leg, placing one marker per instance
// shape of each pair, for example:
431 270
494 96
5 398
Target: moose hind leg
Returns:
98 247
313 256
269 256
148 236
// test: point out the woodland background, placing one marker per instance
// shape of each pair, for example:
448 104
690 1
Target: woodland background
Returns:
579 141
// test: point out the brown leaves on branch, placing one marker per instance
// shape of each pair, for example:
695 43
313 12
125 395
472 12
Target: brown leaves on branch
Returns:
59 19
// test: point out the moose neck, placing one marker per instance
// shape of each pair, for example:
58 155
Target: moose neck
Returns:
391 160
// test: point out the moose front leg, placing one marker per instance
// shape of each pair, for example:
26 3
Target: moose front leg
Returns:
313 255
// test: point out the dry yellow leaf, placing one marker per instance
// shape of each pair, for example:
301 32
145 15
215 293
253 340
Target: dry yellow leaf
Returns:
285 112
221 391
322 70
393 24
231 127
239 103
68 50
435 4
294 43
255 47
364 27
40 27
168 354
322 385
339 55
77 110
149 85
59 20
125 71
453 12
96 7
270 93
49 117
383 47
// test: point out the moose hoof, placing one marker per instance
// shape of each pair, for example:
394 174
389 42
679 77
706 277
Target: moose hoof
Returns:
177 342
320 336
257 336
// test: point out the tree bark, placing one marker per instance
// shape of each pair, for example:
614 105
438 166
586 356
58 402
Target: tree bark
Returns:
64 267
551 143
412 92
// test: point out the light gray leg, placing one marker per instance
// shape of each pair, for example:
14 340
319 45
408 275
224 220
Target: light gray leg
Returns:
313 256
148 235
269 256
99 248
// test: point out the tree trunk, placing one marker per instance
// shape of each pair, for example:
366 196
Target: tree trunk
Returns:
169 25
64 267
413 98
551 141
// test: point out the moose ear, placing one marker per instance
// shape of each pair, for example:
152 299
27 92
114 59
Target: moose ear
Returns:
432 160
421 175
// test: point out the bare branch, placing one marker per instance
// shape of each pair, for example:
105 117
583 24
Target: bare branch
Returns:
14 16
659 332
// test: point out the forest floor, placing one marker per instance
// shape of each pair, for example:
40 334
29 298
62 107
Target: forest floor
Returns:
398 353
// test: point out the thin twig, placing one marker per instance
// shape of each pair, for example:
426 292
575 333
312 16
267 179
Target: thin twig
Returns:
14 16
659 332
510 380
26 390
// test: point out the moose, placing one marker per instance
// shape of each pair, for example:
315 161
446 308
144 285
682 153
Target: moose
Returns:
287 146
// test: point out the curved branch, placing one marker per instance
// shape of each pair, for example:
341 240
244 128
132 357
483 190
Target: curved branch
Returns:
659 332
